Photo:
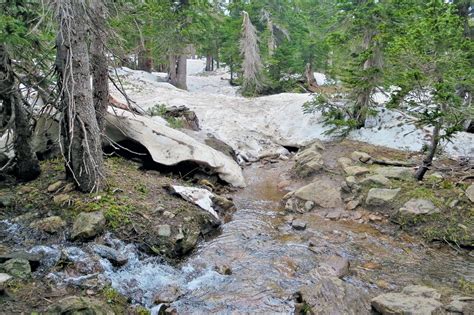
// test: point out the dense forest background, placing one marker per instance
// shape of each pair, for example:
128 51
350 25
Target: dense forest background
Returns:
412 48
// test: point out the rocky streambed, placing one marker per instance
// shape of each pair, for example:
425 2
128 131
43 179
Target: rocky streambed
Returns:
309 235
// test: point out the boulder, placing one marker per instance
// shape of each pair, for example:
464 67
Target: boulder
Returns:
167 294
61 199
298 224
470 193
412 300
49 225
168 146
461 305
360 157
344 162
355 170
381 196
80 305
87 225
17 267
112 255
335 266
376 179
324 193
309 160
55 186
417 207
331 295
395 172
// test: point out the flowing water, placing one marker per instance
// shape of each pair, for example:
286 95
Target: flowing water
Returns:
269 260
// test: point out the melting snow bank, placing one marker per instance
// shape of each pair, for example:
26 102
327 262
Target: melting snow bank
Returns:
168 146
263 126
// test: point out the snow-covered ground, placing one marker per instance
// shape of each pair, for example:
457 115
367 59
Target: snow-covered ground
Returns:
256 127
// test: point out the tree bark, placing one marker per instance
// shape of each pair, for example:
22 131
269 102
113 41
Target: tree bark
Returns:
208 63
177 73
82 142
100 79
27 165
309 76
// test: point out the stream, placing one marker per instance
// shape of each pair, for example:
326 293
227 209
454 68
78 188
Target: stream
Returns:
266 261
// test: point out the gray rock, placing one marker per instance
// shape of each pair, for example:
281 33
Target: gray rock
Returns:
17 267
335 265
298 224
344 162
395 172
323 193
376 179
381 196
421 291
308 205
112 255
351 181
418 207
351 205
461 305
360 156
309 160
164 230
55 186
331 295
87 225
356 170
413 300
470 192
167 294
50 224
333 215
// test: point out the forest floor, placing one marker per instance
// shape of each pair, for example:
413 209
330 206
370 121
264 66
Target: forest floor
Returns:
274 251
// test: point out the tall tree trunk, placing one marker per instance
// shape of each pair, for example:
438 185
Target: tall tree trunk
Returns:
27 165
82 142
309 76
100 79
177 73
181 72
208 63
173 75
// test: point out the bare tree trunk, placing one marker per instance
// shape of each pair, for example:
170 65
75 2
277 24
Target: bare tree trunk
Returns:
181 72
208 63
82 142
100 79
173 75
309 76
177 73
27 165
